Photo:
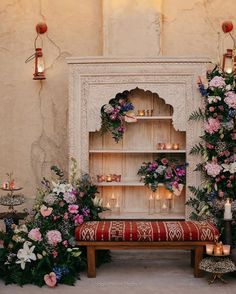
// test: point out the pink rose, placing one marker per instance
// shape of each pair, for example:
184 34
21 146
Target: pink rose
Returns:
78 219
65 243
221 194
35 234
212 125
69 197
53 237
54 253
217 82
164 161
73 208
213 169
211 109
230 99
81 194
66 216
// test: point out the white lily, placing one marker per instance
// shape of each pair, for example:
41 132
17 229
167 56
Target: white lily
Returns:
61 188
25 254
230 167
97 201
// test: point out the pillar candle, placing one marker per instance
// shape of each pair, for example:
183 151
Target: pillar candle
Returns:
228 212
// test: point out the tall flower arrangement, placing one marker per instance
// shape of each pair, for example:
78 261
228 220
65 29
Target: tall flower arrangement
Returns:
43 251
217 147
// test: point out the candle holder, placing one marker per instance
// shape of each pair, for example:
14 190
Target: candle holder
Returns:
116 209
164 206
168 146
209 249
157 203
226 249
161 146
141 112
218 249
148 112
175 146
151 205
109 178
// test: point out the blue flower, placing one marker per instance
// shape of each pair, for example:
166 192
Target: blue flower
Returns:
127 107
202 90
60 271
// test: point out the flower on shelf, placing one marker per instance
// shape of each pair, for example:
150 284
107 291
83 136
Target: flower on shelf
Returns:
42 251
116 113
163 171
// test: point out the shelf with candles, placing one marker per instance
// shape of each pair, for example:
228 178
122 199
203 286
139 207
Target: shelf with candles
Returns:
143 215
122 184
156 117
116 151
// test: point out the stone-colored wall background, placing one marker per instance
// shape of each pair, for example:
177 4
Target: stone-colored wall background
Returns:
33 114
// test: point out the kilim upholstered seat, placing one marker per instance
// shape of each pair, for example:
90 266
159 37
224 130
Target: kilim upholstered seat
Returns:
141 234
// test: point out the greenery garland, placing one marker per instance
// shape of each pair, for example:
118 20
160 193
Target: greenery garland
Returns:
217 147
115 114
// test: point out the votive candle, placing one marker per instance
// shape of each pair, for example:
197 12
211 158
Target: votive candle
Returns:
175 146
226 249
168 146
209 248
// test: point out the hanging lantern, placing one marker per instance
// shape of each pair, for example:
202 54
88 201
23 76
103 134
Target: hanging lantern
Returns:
39 65
228 62
39 69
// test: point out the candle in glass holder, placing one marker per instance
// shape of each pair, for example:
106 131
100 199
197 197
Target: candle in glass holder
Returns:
117 207
161 146
168 146
175 146
209 248
109 178
151 204
141 112
113 200
118 178
5 185
226 249
227 212
108 206
164 207
218 249
157 203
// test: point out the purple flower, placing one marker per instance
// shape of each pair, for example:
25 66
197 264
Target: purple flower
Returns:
85 211
78 219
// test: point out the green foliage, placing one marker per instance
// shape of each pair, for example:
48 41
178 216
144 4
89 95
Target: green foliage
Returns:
197 115
197 149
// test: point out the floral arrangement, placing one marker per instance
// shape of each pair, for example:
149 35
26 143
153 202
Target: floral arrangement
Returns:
116 113
163 171
218 147
42 251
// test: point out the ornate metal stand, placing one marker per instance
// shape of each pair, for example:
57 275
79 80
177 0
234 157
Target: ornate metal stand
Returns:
11 200
217 266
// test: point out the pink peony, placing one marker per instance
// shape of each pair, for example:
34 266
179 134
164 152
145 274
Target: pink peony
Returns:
35 235
69 197
212 125
230 99
73 208
217 82
213 169
79 219
53 237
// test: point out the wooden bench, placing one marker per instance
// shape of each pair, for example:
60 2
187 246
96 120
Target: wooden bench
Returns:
133 234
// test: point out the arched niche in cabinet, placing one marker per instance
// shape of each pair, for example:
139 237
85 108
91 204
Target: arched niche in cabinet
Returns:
129 198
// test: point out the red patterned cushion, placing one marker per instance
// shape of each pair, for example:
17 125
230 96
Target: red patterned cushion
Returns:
146 231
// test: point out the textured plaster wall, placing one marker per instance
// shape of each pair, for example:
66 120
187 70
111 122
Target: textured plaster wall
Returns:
33 115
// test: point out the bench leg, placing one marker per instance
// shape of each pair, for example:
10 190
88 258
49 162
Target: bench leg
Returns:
192 257
197 260
91 262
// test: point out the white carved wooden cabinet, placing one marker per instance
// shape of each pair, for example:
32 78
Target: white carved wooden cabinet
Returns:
168 86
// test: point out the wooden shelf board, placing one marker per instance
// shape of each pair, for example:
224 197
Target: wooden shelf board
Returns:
143 215
92 151
156 117
122 184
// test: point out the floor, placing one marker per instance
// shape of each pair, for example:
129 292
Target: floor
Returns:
135 272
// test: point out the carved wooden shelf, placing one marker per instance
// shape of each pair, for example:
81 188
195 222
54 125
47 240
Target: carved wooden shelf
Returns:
143 215
163 117
122 184
136 151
